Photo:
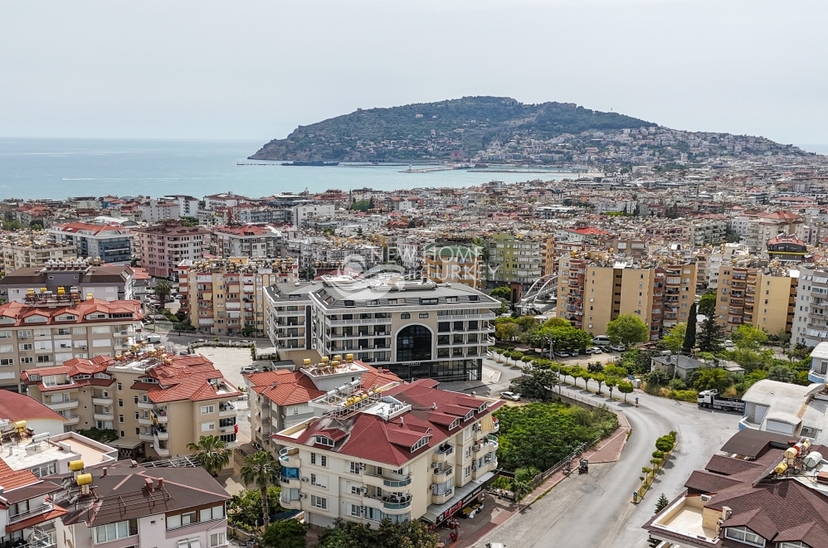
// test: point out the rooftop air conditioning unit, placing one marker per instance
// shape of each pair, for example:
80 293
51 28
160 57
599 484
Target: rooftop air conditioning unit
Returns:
706 498
305 480
302 495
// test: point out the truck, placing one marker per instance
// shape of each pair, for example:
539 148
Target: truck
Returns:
710 399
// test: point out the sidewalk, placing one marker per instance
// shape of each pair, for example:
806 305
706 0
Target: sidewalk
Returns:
607 450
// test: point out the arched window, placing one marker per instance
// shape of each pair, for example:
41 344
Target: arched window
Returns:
414 344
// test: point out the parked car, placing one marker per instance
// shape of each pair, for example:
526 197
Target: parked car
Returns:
562 354
249 369
510 396
617 348
594 350
601 340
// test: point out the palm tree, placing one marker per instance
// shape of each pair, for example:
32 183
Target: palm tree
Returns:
211 452
263 470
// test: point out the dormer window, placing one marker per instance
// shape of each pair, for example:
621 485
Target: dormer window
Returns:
745 535
323 440
421 443
483 407
454 424
469 415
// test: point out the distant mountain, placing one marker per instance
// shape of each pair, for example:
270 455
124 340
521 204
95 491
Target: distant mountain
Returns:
439 131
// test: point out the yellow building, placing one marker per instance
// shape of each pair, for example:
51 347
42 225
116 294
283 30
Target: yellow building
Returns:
226 296
763 298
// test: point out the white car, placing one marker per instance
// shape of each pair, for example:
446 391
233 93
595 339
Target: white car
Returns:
510 396
249 369
617 348
594 350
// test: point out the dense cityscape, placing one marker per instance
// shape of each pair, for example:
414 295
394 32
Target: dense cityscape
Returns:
401 359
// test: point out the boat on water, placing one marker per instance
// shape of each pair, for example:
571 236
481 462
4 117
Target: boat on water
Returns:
310 163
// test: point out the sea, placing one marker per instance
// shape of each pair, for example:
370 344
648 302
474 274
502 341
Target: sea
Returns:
60 168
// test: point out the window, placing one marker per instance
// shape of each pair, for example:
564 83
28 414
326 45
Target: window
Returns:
7 361
354 467
208 426
189 543
208 409
430 300
354 510
405 316
423 315
319 481
217 539
319 502
322 460
120 418
44 358
115 531
26 359
209 514
120 402
743 534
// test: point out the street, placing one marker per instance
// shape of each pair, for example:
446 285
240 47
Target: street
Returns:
595 509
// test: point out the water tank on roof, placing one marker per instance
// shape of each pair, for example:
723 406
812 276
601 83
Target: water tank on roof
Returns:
84 479
76 465
812 460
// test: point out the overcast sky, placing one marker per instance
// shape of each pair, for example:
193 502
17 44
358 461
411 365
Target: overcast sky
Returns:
255 70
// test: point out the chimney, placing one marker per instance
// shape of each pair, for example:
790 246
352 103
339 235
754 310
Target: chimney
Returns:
149 485
105 472
160 483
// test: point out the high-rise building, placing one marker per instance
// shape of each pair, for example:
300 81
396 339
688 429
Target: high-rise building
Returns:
110 244
763 297
514 259
810 324
226 296
161 248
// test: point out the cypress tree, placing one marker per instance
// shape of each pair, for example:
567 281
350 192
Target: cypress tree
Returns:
690 334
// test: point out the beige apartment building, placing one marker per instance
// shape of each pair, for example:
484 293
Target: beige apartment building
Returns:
255 241
226 296
455 263
281 398
408 452
27 249
415 328
49 329
157 403
764 297
592 293
161 248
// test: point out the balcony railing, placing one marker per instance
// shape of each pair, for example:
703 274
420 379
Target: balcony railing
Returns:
42 509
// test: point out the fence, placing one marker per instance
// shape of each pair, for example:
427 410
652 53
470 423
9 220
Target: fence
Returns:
543 476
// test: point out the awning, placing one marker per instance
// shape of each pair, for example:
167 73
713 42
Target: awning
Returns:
462 496
125 443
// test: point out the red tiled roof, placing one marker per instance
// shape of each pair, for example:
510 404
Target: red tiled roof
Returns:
15 479
15 407
56 512
21 311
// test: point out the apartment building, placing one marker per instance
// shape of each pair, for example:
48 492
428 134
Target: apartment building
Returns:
764 297
409 452
514 259
810 323
86 276
756 491
281 398
593 293
124 504
417 329
455 263
251 241
26 249
110 244
28 515
161 248
787 248
46 330
303 214
226 296
708 229
158 403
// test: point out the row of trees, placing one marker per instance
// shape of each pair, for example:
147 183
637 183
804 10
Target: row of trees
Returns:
541 376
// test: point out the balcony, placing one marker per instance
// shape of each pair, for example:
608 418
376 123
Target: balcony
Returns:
62 405
496 427
145 421
103 416
145 404
165 451
161 433
396 483
370 321
286 501
161 416
397 505
227 409
42 509
144 436
443 453
289 457
441 498
101 400
441 474
478 432
72 419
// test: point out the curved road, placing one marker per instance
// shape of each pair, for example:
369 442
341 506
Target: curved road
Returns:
595 509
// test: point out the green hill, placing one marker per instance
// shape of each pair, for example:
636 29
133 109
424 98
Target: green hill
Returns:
434 131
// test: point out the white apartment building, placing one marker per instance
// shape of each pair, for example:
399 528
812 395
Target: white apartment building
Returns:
110 244
409 452
88 277
303 213
810 324
417 329
252 241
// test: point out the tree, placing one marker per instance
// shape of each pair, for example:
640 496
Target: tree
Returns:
600 379
674 339
162 290
611 383
625 387
563 337
661 503
286 533
711 336
707 304
712 378
405 534
747 337
212 453
507 331
536 383
502 292
628 329
690 333
245 509
261 469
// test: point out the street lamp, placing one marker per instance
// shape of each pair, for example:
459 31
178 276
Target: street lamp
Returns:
551 357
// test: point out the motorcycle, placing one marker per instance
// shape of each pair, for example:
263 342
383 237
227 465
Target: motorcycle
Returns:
583 466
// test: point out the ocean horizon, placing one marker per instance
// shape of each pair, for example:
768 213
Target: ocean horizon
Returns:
53 168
